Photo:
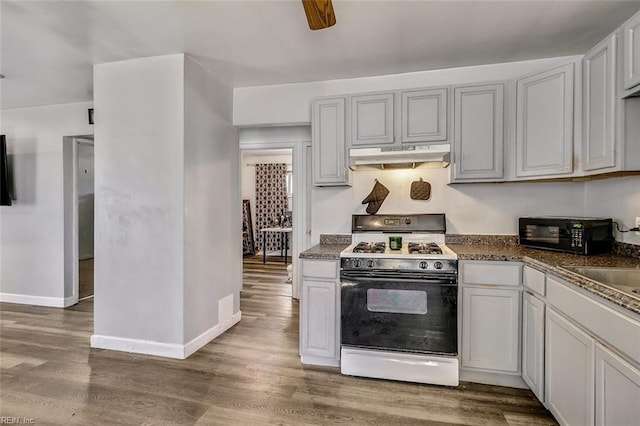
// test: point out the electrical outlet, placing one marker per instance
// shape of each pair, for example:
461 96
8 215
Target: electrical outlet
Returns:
637 224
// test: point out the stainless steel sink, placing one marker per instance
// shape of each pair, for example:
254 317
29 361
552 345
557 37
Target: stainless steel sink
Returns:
626 280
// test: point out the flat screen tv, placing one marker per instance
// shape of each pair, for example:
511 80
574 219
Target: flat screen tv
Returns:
5 198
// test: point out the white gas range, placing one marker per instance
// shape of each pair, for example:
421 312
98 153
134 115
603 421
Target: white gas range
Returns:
399 305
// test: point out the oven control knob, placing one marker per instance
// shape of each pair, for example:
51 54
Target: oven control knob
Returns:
438 265
407 221
423 265
370 263
356 263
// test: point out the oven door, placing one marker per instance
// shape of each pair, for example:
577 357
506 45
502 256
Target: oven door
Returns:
400 313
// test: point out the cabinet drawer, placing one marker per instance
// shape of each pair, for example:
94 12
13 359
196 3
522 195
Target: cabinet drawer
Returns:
622 333
491 273
320 269
534 280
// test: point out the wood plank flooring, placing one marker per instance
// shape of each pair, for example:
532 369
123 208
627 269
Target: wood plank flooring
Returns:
250 375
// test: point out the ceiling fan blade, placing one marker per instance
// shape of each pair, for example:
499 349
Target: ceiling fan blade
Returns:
319 13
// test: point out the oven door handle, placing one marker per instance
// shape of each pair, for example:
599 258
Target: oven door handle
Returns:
348 280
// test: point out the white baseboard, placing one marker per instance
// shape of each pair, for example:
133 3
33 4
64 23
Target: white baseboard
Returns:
147 347
25 299
167 350
211 334
226 320
69 301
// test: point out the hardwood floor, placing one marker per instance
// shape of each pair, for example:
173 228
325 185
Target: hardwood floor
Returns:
250 375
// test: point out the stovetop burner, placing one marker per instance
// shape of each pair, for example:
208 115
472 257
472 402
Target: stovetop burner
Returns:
365 247
424 248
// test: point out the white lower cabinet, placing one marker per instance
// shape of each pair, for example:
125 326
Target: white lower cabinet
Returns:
533 343
320 314
569 371
490 329
489 318
617 390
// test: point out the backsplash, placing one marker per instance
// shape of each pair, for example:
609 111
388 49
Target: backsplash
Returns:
481 239
619 248
335 239
626 249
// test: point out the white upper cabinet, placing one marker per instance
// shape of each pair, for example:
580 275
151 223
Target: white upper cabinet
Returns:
372 121
478 134
544 123
424 115
328 142
599 97
631 34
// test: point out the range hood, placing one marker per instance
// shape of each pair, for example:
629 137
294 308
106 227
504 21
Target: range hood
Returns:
411 156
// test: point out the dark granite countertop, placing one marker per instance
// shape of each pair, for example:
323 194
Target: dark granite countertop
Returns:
324 252
551 262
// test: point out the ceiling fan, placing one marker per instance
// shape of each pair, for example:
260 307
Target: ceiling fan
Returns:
319 13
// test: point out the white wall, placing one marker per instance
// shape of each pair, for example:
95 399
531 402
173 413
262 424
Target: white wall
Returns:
32 230
139 189
212 222
470 208
287 104
168 267
616 198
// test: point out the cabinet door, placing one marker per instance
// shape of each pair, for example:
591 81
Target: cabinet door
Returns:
318 319
533 343
328 145
631 34
569 374
424 115
478 136
544 123
372 119
617 390
599 96
491 329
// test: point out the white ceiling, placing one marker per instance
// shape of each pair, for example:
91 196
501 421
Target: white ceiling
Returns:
49 47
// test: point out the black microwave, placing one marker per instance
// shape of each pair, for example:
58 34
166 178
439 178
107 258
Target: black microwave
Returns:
578 235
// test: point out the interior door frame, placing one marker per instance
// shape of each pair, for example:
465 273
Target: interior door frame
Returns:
71 216
301 199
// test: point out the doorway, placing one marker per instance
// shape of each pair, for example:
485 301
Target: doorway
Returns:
267 197
293 158
78 172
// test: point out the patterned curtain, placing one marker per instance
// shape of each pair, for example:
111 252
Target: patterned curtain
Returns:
271 200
